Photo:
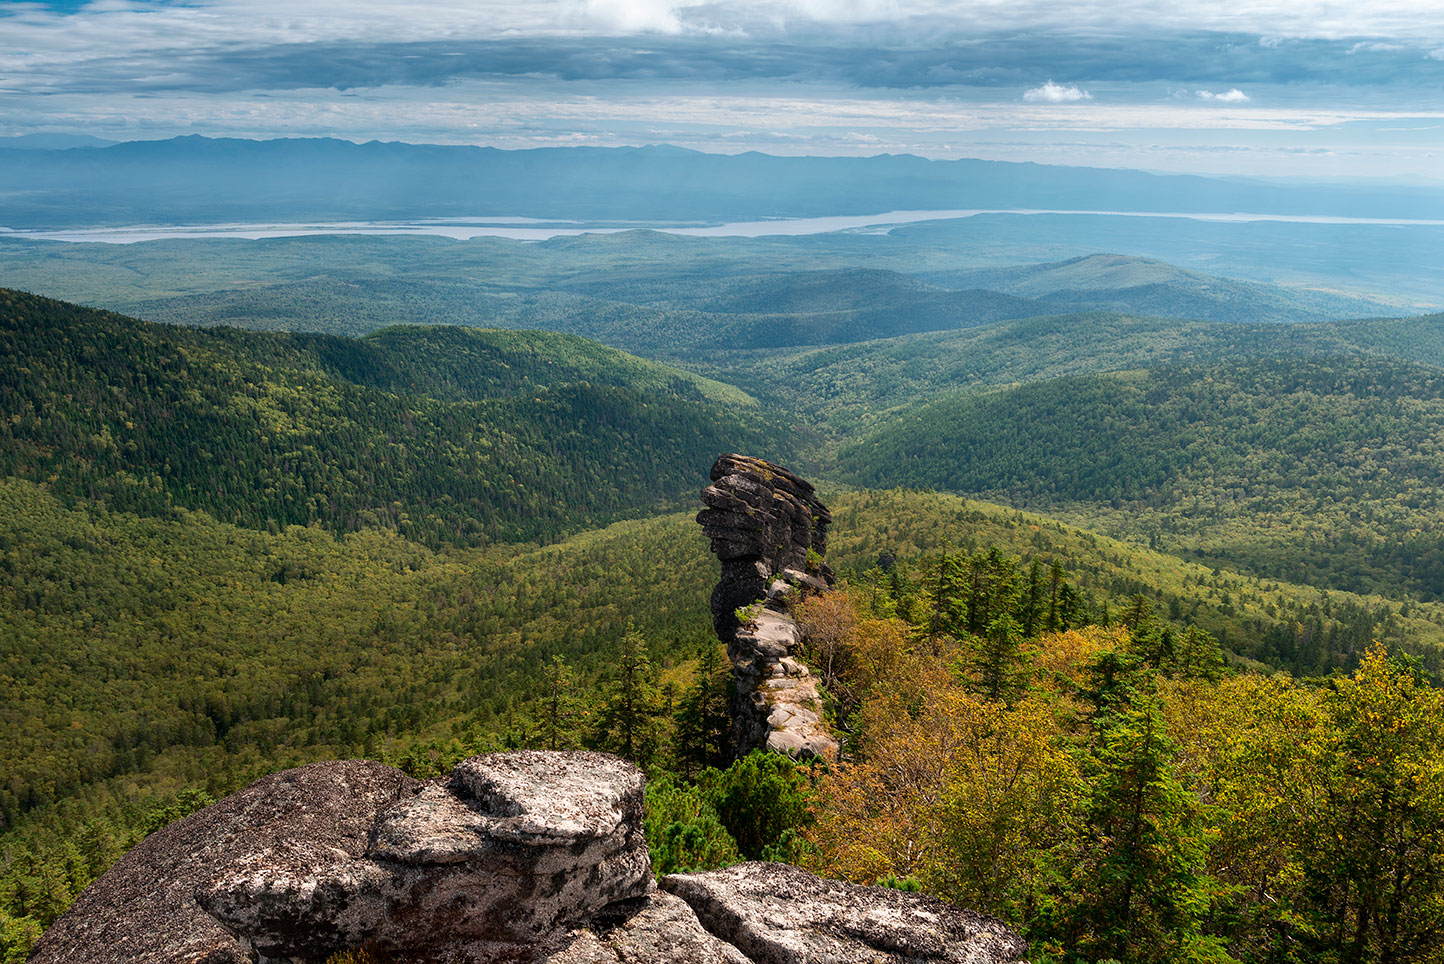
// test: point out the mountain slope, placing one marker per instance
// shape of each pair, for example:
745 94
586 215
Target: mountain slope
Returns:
849 389
450 436
1144 286
673 318
1318 470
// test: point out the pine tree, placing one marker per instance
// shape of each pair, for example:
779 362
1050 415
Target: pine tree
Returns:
561 709
704 721
627 723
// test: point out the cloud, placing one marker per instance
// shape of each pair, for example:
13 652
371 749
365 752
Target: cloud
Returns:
1051 93
636 16
1231 96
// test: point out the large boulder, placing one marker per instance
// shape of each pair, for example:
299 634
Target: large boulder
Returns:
504 854
143 910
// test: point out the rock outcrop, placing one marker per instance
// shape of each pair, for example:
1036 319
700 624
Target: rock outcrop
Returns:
777 914
769 530
531 858
333 856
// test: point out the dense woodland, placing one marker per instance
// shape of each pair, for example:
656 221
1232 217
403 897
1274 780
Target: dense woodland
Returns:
398 430
1322 471
223 552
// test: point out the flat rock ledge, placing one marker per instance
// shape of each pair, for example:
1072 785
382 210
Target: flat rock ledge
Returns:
779 914
525 858
769 530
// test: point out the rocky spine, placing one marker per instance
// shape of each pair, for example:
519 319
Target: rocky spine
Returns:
769 530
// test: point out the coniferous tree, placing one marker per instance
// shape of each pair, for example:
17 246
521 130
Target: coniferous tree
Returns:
627 723
1137 890
998 662
560 711
704 721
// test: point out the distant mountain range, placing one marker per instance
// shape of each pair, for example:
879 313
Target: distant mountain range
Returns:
198 180
52 142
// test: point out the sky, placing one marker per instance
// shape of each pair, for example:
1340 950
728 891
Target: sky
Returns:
1271 88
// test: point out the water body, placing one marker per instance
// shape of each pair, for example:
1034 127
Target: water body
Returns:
535 229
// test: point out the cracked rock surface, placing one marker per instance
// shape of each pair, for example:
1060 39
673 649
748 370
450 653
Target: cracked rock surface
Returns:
778 914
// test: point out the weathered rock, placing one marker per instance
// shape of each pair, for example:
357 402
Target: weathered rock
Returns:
336 855
659 928
769 530
143 910
776 704
513 846
518 858
777 914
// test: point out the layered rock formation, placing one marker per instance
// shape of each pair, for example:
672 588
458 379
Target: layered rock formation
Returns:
519 857
769 530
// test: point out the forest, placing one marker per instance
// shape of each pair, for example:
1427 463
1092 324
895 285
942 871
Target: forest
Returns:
1139 616
1322 471
397 430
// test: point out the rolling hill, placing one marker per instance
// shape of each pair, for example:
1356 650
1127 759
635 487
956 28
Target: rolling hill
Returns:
449 435
1144 286
1319 470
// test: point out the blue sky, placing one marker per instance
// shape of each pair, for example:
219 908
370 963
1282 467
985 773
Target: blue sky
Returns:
1273 88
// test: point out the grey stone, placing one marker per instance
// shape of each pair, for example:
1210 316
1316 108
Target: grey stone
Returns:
763 522
660 928
513 846
143 910
777 914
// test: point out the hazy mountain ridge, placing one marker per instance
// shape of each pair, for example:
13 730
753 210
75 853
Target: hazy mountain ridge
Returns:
1145 286
195 179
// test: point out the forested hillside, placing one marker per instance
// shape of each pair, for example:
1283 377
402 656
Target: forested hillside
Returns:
848 389
1111 282
447 436
309 644
1322 470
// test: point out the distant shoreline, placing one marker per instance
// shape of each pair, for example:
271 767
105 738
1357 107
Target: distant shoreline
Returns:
535 229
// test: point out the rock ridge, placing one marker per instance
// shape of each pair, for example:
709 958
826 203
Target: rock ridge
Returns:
525 857
769 530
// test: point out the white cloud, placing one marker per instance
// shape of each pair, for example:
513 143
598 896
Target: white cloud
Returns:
1051 93
1231 96
635 16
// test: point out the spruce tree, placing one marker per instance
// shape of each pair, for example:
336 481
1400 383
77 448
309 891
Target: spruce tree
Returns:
1138 890
704 721
627 723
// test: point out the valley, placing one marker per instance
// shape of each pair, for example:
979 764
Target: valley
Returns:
274 501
